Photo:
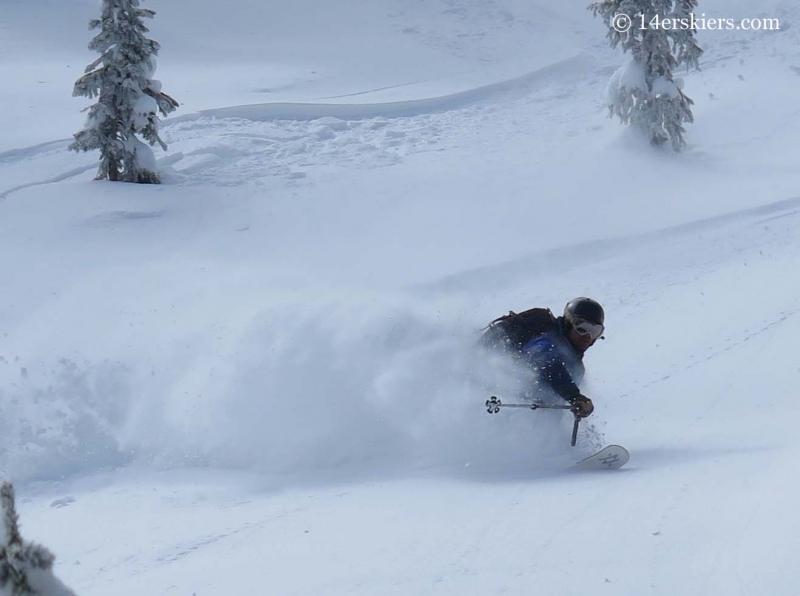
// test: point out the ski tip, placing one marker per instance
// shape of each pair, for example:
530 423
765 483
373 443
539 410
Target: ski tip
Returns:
611 457
620 447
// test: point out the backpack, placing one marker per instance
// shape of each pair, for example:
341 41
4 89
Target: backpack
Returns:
514 330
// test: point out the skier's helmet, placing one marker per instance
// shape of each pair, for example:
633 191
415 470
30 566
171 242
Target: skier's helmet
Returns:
586 316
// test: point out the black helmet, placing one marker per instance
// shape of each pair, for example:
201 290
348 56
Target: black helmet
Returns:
585 308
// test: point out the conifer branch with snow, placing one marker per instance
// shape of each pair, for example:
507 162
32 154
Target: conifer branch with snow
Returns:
128 98
26 569
644 92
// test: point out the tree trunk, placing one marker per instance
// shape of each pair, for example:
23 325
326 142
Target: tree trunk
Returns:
113 169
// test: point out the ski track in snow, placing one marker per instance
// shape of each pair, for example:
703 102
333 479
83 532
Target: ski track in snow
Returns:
518 86
53 180
289 142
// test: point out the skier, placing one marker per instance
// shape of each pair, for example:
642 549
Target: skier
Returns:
552 347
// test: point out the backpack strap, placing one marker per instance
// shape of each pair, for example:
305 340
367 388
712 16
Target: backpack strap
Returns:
511 314
514 330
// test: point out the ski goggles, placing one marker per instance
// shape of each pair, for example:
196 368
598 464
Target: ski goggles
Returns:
584 327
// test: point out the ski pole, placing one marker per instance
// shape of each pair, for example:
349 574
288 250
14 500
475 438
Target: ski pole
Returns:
493 405
575 429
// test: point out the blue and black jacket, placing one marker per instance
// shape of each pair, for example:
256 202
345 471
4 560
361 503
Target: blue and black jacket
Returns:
557 364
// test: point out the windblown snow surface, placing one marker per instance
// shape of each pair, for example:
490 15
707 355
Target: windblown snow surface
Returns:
261 376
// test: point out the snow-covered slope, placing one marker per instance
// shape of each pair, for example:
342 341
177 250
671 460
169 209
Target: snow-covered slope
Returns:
266 366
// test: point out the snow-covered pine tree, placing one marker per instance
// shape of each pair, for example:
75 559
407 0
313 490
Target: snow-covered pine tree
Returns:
684 43
25 569
644 92
129 99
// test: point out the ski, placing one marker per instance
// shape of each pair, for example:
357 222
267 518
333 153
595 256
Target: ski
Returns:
612 457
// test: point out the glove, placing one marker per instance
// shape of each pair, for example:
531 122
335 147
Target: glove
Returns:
582 406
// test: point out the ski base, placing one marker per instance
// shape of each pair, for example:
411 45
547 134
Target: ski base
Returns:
612 457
